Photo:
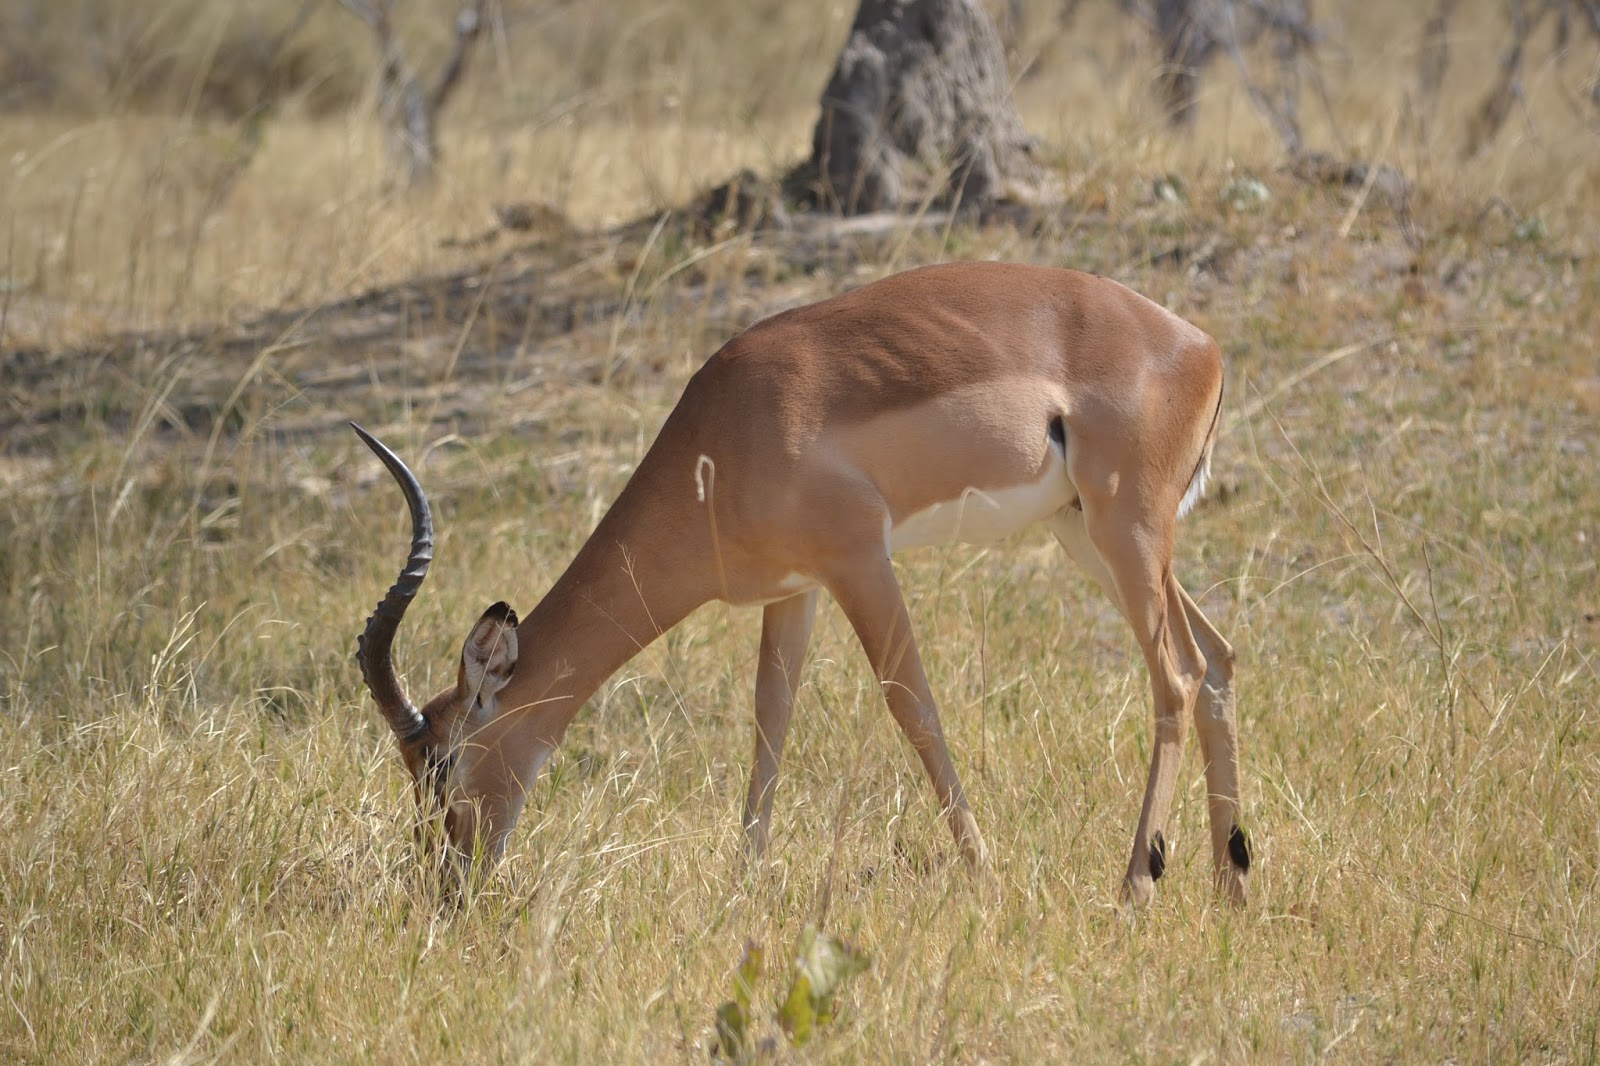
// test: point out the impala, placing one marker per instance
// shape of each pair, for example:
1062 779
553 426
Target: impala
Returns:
958 402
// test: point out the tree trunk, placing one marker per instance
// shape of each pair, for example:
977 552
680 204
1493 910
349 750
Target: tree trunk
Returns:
409 112
1187 45
919 106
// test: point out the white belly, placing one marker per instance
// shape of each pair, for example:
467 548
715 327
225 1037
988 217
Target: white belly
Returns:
979 516
974 516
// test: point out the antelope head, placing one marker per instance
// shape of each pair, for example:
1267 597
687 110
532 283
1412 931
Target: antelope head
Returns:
453 787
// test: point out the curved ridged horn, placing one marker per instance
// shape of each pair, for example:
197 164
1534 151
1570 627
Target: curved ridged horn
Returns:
373 647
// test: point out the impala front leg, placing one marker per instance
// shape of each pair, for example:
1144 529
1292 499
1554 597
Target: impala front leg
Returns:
785 636
871 599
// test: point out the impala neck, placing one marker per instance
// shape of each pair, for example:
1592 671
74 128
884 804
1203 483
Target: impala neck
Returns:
635 578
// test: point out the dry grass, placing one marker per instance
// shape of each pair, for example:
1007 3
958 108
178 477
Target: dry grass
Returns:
132 220
208 857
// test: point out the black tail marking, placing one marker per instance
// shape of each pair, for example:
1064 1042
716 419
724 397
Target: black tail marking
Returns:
1216 415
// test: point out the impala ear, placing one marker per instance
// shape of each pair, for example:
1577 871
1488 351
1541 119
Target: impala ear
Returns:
490 654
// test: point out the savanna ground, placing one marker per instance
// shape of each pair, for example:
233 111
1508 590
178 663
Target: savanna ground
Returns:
207 851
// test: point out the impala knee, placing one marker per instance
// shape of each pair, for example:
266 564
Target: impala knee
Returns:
1183 682
1217 700
1219 666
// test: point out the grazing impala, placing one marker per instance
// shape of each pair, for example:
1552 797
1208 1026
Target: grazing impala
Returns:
958 402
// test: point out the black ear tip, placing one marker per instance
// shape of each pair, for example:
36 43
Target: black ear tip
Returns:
501 612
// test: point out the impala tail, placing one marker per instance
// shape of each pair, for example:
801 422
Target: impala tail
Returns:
1202 467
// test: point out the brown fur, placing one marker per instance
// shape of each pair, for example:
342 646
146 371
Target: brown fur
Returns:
798 443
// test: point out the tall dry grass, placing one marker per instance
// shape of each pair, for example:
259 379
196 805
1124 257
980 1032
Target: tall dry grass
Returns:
208 855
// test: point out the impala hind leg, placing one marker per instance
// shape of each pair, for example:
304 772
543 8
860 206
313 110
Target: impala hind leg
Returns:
1217 731
785 636
1128 549
870 597
1213 712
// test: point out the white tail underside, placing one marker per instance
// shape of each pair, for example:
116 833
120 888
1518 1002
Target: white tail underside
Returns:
1197 487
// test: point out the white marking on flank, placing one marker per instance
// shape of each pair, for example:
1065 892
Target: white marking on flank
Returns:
978 516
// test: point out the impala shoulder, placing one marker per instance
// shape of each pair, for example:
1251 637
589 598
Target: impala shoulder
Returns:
749 372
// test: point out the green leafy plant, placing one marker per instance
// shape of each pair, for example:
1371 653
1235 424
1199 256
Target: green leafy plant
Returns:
822 966
733 1017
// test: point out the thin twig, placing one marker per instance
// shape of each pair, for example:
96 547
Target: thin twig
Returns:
468 23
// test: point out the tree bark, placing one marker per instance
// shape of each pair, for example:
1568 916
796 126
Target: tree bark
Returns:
919 107
1187 45
410 113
